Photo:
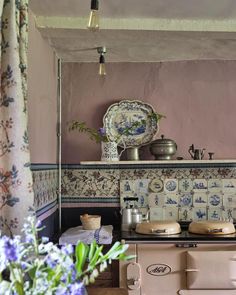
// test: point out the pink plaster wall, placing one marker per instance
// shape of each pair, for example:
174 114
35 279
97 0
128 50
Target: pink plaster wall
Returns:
42 98
198 98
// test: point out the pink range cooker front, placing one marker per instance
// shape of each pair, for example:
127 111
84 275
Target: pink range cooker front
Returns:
183 263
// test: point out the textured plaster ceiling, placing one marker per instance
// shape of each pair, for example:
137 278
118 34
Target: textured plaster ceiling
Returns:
140 31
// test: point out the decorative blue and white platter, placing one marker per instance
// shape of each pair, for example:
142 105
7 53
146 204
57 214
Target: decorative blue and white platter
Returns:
121 117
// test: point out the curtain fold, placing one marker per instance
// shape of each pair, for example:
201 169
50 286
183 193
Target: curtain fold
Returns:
16 190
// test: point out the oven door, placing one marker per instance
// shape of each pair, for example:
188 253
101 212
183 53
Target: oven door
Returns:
211 270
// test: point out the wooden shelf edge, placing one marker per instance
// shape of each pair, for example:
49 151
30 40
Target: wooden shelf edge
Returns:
218 161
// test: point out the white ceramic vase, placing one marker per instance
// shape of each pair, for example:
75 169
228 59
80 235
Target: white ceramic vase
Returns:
109 151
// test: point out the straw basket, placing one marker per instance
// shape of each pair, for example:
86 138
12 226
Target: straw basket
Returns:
90 221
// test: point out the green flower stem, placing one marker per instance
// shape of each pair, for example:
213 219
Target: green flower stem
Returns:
18 285
114 253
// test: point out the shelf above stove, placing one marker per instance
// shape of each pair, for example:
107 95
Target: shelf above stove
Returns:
231 163
158 162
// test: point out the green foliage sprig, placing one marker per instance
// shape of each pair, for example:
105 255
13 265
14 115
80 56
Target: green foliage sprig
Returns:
97 135
100 134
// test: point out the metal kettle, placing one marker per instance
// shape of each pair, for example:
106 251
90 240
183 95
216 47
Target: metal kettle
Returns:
137 217
126 215
196 154
130 215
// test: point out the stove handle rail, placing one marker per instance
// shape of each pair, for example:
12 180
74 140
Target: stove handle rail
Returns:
191 270
186 245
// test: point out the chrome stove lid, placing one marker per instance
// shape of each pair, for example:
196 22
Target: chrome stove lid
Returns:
159 227
211 227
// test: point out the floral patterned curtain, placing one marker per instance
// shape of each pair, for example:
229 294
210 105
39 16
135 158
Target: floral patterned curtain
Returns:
16 194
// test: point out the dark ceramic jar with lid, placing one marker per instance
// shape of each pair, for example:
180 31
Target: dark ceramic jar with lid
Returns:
163 148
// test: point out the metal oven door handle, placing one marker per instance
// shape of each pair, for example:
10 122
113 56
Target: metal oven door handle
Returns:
159 231
215 230
191 269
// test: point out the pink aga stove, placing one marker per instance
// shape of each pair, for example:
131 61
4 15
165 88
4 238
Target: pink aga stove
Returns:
193 259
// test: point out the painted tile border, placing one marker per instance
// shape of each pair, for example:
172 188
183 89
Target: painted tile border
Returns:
48 203
133 173
96 187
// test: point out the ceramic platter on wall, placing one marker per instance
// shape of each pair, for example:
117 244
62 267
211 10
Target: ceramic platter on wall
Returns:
130 123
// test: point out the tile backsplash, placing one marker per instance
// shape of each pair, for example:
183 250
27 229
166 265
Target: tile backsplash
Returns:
182 194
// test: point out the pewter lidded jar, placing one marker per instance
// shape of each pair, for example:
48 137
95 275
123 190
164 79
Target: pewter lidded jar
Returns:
163 148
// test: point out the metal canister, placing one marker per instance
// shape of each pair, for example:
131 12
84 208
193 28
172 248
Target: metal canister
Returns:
163 148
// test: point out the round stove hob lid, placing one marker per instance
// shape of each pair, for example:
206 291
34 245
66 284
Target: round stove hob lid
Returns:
159 227
211 227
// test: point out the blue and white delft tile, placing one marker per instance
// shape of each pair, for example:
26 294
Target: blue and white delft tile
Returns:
229 200
186 200
214 200
142 199
214 214
141 185
229 185
228 214
127 186
156 199
171 200
156 185
200 199
185 185
199 185
156 214
171 213
199 213
185 214
171 185
214 185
